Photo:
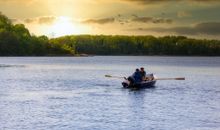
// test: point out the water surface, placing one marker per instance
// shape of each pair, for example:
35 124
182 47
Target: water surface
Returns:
66 93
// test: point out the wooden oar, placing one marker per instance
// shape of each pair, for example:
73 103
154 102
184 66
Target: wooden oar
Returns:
110 76
180 78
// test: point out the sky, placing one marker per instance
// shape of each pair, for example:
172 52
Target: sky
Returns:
54 18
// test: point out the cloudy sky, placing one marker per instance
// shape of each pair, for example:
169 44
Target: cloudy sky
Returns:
192 18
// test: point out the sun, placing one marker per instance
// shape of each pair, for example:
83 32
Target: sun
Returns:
63 26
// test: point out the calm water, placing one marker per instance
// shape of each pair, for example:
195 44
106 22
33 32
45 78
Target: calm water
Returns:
68 93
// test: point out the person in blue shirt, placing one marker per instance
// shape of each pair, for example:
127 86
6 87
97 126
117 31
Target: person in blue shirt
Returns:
137 76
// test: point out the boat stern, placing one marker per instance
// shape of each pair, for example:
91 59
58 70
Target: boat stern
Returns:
125 84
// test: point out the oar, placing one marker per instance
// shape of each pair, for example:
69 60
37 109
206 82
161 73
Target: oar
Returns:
110 76
180 78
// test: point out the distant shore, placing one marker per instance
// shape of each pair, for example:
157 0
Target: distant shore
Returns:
87 55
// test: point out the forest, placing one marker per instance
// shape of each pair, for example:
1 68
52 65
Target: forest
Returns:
16 40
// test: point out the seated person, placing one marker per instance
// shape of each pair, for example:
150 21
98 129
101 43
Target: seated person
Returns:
137 76
143 74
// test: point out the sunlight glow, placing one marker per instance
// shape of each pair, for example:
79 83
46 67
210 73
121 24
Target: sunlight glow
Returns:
63 26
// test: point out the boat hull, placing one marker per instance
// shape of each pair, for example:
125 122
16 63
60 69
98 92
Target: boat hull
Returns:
144 84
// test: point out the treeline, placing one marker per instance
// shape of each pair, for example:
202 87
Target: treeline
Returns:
139 45
16 40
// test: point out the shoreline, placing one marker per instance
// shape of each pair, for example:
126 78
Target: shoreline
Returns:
113 56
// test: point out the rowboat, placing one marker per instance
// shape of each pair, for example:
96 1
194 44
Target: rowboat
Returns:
148 83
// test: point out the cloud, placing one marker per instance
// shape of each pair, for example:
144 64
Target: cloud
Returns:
125 20
17 1
46 20
209 28
182 14
14 20
195 0
155 1
29 20
12 1
99 21
151 20
145 1
163 1
41 20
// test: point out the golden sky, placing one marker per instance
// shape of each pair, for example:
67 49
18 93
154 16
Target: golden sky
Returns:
192 18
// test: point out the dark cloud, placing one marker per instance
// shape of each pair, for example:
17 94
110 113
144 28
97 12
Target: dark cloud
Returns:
99 21
146 1
127 20
209 28
159 1
46 20
151 20
28 20
182 14
204 0
134 15
41 20
13 20
119 15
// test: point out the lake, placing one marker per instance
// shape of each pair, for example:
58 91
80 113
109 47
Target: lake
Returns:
68 93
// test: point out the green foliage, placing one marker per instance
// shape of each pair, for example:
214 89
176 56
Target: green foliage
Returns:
15 40
139 45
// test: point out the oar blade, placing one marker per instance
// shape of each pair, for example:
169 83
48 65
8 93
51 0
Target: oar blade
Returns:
182 78
108 76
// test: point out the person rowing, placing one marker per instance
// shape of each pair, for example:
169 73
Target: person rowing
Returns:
143 73
145 77
135 77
